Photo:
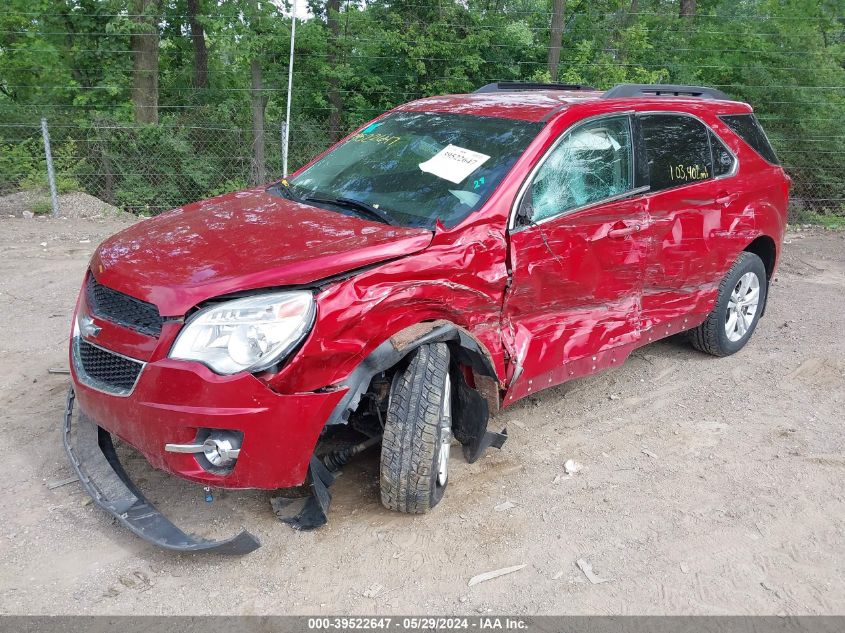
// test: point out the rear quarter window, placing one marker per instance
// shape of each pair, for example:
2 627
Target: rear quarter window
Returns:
723 160
748 128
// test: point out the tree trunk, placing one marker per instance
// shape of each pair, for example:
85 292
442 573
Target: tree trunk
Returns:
144 43
558 12
335 99
687 9
200 50
631 16
259 103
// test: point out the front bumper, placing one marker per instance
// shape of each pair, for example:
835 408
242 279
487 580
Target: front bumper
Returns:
93 457
173 399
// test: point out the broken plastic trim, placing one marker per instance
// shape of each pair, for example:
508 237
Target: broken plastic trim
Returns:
387 355
311 512
314 511
470 423
103 477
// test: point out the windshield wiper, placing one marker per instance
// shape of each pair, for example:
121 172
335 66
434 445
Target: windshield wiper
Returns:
363 208
285 190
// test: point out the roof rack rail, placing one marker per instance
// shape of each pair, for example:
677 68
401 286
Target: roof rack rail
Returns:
522 86
664 90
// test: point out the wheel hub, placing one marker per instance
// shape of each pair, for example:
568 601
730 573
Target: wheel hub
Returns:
742 307
445 435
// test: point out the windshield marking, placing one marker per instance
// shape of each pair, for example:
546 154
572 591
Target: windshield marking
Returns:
385 139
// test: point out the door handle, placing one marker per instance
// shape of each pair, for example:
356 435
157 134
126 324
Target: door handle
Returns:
625 231
725 198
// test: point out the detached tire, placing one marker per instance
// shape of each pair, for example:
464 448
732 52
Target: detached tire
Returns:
417 433
742 295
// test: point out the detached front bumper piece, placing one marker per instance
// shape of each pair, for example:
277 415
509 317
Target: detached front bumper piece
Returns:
93 457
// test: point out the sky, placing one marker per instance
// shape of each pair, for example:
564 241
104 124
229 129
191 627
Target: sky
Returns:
302 12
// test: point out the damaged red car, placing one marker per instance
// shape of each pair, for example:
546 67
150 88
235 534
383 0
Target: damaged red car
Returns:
452 256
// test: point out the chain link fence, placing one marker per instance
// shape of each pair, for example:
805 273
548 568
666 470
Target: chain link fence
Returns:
147 169
152 168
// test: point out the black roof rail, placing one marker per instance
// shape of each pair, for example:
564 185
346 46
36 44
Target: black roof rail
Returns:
522 86
664 90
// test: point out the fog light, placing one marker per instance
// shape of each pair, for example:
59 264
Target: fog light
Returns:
221 449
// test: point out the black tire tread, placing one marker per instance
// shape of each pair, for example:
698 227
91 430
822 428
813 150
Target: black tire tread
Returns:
411 432
705 337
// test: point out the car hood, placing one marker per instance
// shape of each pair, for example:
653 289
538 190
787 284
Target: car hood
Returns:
242 241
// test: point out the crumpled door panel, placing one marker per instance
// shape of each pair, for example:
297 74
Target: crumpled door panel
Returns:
574 293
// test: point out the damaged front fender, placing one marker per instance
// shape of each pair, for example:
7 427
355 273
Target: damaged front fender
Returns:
391 351
471 406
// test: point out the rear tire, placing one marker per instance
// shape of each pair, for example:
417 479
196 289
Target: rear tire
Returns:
741 298
417 433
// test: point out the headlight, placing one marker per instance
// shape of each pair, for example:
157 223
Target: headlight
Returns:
248 334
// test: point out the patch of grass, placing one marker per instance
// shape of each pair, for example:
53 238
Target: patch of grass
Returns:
832 222
832 218
42 207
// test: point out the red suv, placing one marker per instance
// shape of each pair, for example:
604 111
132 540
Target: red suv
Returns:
443 261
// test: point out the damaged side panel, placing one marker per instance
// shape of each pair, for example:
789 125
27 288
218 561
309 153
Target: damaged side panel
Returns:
694 241
590 285
459 279
698 229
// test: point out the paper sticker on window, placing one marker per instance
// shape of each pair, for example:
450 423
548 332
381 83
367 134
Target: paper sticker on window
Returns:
454 163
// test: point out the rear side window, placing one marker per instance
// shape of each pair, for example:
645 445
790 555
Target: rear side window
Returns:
748 129
677 150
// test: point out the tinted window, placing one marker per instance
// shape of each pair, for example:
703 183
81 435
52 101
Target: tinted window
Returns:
419 166
723 160
592 162
677 150
748 129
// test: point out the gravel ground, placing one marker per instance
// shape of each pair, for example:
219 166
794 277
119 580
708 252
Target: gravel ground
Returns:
77 204
709 486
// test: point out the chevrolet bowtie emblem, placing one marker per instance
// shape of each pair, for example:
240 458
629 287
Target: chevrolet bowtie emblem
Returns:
87 327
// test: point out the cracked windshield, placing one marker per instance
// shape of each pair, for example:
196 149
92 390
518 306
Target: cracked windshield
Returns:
413 168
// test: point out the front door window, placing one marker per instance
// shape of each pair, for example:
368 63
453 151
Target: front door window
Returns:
593 162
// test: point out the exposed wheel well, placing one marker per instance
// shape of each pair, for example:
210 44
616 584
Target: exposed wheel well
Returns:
464 349
764 248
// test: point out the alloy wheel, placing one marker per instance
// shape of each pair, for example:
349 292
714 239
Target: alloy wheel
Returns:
742 307
445 435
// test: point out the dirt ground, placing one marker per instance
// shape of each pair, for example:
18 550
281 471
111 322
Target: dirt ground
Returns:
709 486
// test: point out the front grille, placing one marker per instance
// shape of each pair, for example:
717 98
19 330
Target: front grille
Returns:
117 307
104 370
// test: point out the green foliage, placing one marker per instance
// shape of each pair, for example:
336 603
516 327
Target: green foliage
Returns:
18 163
70 60
225 187
835 221
24 165
157 167
66 164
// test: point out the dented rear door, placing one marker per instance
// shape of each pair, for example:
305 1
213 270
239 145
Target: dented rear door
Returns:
687 205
